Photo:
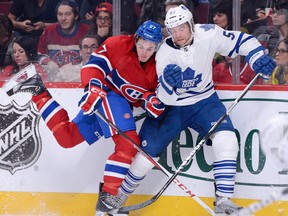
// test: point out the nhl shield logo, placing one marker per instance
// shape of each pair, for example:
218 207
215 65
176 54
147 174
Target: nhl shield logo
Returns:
20 142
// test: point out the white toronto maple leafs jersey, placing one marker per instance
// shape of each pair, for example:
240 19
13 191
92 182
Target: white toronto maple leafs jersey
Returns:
208 40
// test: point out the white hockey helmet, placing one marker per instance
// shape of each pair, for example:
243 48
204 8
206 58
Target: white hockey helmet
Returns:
177 16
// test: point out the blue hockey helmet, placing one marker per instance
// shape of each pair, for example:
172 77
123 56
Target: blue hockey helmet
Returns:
151 31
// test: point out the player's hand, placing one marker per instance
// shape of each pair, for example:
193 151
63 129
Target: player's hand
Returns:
172 75
93 97
265 66
153 106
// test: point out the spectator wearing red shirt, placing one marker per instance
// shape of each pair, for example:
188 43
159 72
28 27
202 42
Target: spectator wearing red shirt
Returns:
60 41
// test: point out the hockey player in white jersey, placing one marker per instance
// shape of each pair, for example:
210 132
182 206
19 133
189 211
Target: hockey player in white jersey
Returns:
184 68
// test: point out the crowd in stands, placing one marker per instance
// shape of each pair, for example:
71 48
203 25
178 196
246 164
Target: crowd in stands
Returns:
60 35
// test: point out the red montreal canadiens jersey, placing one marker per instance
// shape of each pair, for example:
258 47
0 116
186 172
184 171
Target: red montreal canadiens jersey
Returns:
62 48
116 64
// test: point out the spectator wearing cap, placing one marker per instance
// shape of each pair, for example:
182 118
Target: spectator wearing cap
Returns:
60 41
102 24
87 10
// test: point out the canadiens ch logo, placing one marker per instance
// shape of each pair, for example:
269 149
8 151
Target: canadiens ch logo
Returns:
20 142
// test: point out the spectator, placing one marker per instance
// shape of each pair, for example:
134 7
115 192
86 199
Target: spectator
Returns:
102 24
280 74
60 41
270 35
280 21
6 38
87 11
128 13
71 72
222 14
24 53
30 17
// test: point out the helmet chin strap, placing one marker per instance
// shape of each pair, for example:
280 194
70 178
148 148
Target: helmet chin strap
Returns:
188 42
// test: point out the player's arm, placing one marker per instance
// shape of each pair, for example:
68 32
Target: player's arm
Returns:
235 43
98 66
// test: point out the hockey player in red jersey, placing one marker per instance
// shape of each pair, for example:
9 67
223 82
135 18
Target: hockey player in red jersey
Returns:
120 74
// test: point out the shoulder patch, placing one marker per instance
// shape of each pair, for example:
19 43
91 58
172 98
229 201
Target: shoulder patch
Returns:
207 27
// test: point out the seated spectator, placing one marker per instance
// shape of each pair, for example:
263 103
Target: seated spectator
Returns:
222 16
71 72
60 41
222 72
87 11
270 35
30 17
280 74
280 21
128 13
102 24
24 53
6 38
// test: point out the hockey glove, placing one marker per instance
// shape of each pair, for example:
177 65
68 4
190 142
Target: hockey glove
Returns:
92 98
153 106
171 76
265 66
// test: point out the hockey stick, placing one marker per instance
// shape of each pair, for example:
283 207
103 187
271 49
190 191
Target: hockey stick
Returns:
155 163
194 150
254 207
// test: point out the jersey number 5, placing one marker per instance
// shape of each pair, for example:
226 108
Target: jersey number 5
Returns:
229 34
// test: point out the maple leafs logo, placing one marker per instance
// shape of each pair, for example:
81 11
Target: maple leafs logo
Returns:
189 79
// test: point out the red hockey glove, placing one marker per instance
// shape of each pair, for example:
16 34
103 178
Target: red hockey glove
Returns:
153 106
92 98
